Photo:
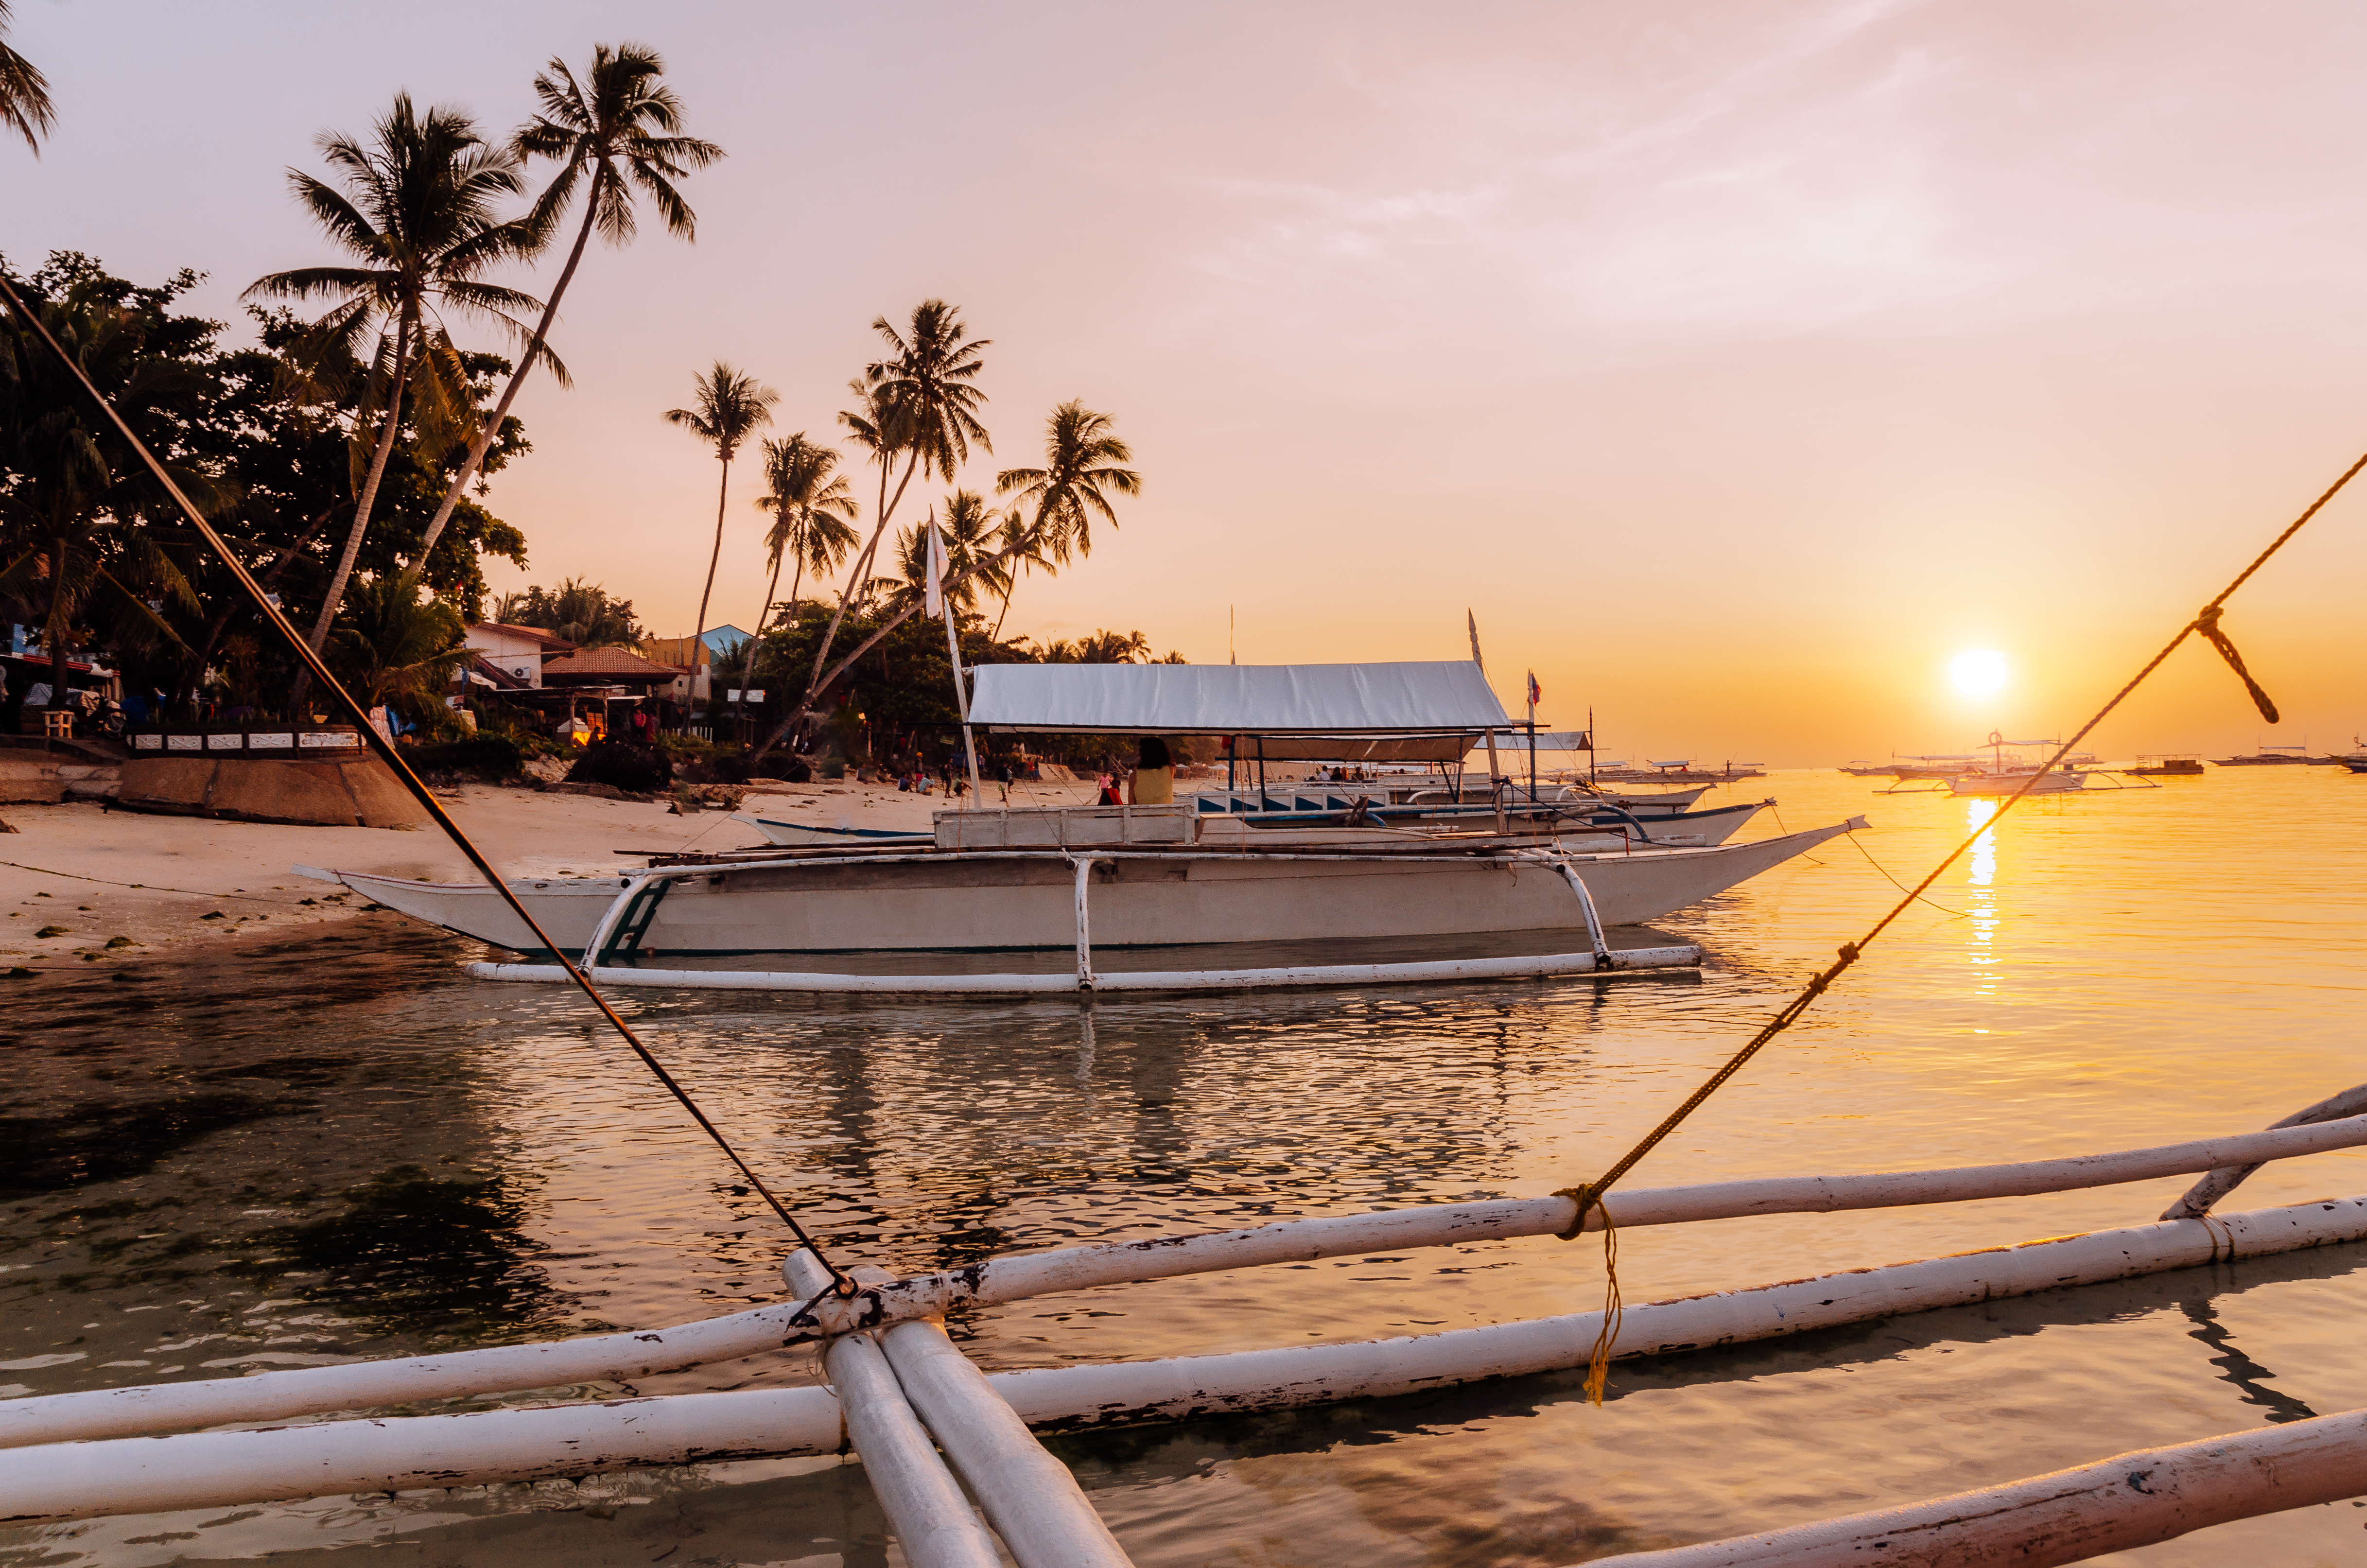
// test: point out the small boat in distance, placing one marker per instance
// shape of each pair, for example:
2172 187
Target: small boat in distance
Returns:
2278 755
2178 765
2002 775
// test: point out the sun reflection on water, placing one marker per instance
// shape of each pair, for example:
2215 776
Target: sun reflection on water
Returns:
1980 877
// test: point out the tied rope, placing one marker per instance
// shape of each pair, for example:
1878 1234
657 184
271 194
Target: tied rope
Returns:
411 781
2206 625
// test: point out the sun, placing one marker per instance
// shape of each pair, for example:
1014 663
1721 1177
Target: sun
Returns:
1977 672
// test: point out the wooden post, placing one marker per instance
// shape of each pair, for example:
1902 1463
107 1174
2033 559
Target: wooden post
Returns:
933 1522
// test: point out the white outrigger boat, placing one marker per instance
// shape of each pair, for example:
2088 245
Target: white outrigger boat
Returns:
1158 876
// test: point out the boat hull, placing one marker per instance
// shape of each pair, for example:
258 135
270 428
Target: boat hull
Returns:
2009 783
979 902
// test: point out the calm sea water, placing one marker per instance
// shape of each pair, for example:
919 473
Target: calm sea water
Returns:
345 1148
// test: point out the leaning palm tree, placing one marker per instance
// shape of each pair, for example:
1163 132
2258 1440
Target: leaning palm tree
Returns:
418 213
25 106
728 408
1021 551
616 132
970 563
1080 458
813 514
918 403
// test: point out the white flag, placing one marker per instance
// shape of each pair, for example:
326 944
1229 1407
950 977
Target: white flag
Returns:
933 594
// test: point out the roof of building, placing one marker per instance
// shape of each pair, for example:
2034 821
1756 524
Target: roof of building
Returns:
604 665
533 633
1447 700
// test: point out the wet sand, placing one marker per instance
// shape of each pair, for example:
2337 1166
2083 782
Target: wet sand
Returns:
150 883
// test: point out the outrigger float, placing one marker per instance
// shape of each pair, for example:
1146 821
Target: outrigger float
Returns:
901 1391
1300 866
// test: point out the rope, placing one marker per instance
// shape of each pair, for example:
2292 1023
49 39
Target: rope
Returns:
150 887
411 781
1894 882
2205 623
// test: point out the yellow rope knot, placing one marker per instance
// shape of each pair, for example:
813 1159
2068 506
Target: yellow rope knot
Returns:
1583 1195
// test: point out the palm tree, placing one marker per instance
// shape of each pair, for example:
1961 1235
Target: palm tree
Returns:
1021 551
25 106
813 513
1081 455
728 408
394 644
970 561
919 402
583 613
623 128
418 213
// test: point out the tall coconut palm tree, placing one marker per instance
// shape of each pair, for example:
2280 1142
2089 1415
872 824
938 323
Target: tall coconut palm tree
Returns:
1081 452
25 106
812 510
419 214
615 133
728 407
918 402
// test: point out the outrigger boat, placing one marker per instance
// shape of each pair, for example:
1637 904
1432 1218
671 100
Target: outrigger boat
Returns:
1159 876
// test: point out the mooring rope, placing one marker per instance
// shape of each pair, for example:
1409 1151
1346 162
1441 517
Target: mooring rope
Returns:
411 781
146 887
2205 624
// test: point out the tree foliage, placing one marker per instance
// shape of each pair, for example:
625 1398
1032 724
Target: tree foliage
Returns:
271 471
583 613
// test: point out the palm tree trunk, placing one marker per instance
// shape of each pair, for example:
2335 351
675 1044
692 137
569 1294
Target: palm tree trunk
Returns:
1008 589
862 565
722 494
345 571
805 704
770 589
492 426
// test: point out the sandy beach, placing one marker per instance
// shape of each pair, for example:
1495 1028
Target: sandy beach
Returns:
111 885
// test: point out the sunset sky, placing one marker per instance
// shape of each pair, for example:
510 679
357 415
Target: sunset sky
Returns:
1736 366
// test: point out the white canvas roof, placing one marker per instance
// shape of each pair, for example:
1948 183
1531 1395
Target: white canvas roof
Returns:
1446 697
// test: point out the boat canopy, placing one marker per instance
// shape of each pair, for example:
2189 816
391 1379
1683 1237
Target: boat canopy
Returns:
1288 713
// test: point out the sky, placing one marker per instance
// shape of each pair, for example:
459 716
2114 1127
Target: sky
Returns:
1735 367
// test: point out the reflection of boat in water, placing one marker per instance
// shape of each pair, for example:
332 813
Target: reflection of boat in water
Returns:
2167 766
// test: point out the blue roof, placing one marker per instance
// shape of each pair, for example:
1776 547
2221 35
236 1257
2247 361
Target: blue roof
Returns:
723 639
